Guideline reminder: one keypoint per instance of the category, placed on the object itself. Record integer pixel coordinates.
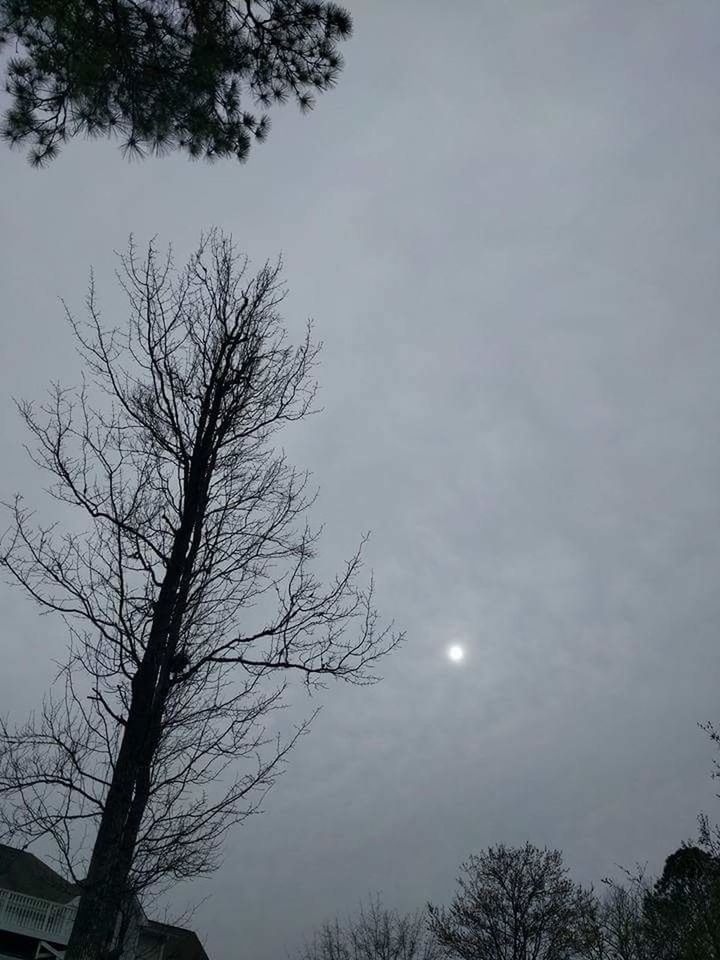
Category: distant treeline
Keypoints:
(519, 903)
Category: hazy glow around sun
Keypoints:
(456, 653)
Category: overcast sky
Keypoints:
(505, 221)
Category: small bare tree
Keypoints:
(622, 927)
(187, 590)
(374, 933)
(516, 903)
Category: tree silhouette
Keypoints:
(516, 903)
(682, 910)
(622, 924)
(373, 933)
(187, 589)
(163, 74)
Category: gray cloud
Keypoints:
(505, 222)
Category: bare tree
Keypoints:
(622, 927)
(516, 903)
(187, 588)
(374, 933)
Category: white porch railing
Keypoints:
(34, 917)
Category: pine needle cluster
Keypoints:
(193, 75)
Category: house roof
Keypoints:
(180, 944)
(23, 872)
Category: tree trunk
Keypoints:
(105, 891)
